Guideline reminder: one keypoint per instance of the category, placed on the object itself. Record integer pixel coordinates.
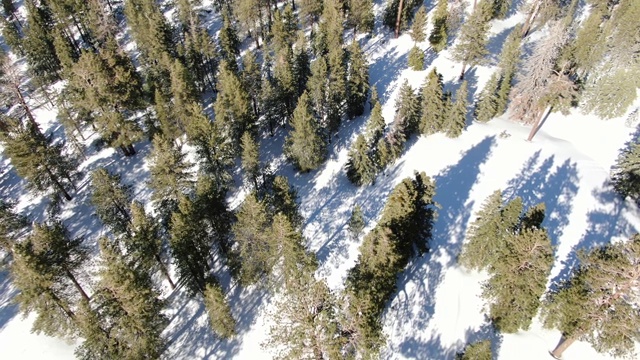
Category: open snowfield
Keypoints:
(436, 309)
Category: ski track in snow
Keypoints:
(436, 309)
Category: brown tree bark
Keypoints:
(538, 123)
(464, 68)
(562, 346)
(76, 284)
(165, 271)
(57, 183)
(399, 18)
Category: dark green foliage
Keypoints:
(337, 90)
(128, 310)
(360, 166)
(356, 222)
(457, 114)
(438, 36)
(471, 47)
(609, 95)
(408, 111)
(487, 106)
(406, 224)
(251, 79)
(598, 303)
(375, 125)
(626, 172)
(357, 81)
(111, 200)
(169, 177)
(229, 43)
(286, 84)
(418, 32)
(190, 246)
(211, 203)
(416, 59)
(232, 108)
(254, 252)
(220, 317)
(309, 10)
(390, 14)
(38, 44)
(361, 17)
(292, 259)
(500, 8)
(184, 93)
(301, 63)
(11, 36)
(509, 59)
(317, 87)
(44, 269)
(250, 159)
(38, 159)
(517, 252)
(11, 225)
(283, 198)
(480, 350)
(283, 30)
(215, 151)
(434, 107)
(305, 146)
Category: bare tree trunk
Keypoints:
(464, 67)
(399, 18)
(76, 284)
(538, 123)
(57, 183)
(24, 105)
(63, 306)
(165, 271)
(530, 18)
(562, 346)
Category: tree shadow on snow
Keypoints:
(8, 307)
(418, 284)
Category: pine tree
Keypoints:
(360, 167)
(356, 222)
(211, 202)
(38, 160)
(233, 108)
(418, 33)
(284, 199)
(184, 94)
(283, 31)
(357, 81)
(625, 175)
(220, 317)
(471, 48)
(129, 306)
(310, 9)
(598, 303)
(254, 253)
(509, 59)
(251, 80)
(392, 20)
(111, 200)
(11, 225)
(486, 108)
(190, 247)
(457, 115)
(439, 33)
(480, 350)
(500, 8)
(11, 36)
(250, 159)
(375, 126)
(485, 235)
(408, 110)
(317, 87)
(229, 43)
(38, 44)
(301, 63)
(170, 177)
(144, 242)
(251, 18)
(215, 151)
(434, 107)
(337, 89)
(286, 84)
(416, 59)
(45, 269)
(361, 17)
(304, 146)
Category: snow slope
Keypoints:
(436, 309)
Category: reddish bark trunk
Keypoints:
(562, 346)
(399, 18)
(77, 285)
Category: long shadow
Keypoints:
(8, 307)
(539, 182)
(385, 70)
(418, 284)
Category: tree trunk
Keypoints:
(63, 306)
(464, 67)
(399, 17)
(538, 124)
(57, 183)
(532, 15)
(165, 271)
(562, 346)
(24, 105)
(76, 284)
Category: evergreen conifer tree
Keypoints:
(357, 81)
(301, 63)
(457, 115)
(375, 126)
(390, 16)
(317, 87)
(487, 106)
(111, 200)
(38, 160)
(38, 43)
(361, 17)
(433, 104)
(472, 44)
(229, 43)
(304, 146)
(598, 303)
(480, 350)
(45, 269)
(418, 33)
(360, 167)
(485, 235)
(250, 159)
(252, 80)
(284, 199)
(416, 59)
(356, 222)
(625, 174)
(408, 110)
(11, 36)
(11, 225)
(220, 317)
(439, 32)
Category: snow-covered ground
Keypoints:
(436, 309)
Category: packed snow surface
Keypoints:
(436, 309)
